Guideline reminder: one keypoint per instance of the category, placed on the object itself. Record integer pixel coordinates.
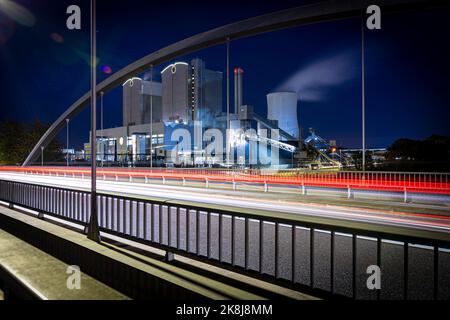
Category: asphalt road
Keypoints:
(265, 201)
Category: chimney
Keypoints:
(238, 92)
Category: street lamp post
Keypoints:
(67, 145)
(363, 97)
(93, 232)
(228, 147)
(151, 116)
(101, 124)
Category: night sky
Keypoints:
(44, 66)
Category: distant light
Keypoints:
(57, 37)
(238, 71)
(106, 69)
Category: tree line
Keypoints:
(17, 139)
(430, 154)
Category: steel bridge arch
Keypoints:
(293, 17)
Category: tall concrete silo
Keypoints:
(282, 106)
(132, 101)
(175, 92)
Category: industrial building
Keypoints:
(142, 102)
(191, 92)
(189, 97)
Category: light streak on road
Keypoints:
(379, 181)
(244, 200)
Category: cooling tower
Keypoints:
(282, 106)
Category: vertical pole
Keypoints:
(151, 116)
(363, 94)
(67, 146)
(261, 245)
(42, 156)
(228, 102)
(293, 240)
(405, 269)
(93, 230)
(332, 236)
(276, 253)
(354, 257)
(378, 263)
(233, 220)
(311, 258)
(220, 236)
(436, 273)
(101, 124)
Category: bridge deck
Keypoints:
(202, 286)
(42, 276)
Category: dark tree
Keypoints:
(357, 160)
(17, 140)
(12, 137)
(434, 148)
(431, 154)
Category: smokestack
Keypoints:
(238, 92)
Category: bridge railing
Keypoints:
(438, 180)
(407, 182)
(321, 256)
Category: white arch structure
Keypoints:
(293, 17)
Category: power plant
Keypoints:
(189, 97)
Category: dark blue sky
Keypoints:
(407, 64)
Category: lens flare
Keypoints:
(17, 12)
(86, 57)
(57, 37)
(106, 69)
